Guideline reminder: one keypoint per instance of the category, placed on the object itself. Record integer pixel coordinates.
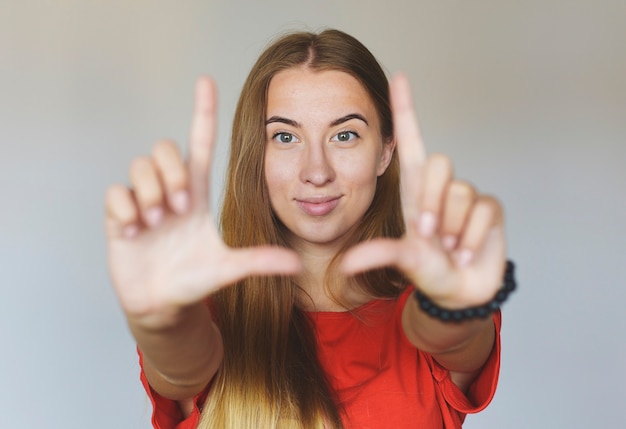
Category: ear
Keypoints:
(385, 156)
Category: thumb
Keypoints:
(261, 261)
(377, 253)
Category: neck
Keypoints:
(316, 295)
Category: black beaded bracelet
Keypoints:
(509, 284)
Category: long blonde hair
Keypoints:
(271, 376)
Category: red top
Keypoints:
(382, 380)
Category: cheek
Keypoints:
(277, 176)
(270, 177)
(361, 178)
(365, 179)
(361, 170)
(362, 184)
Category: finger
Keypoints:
(202, 139)
(173, 173)
(148, 190)
(485, 214)
(459, 199)
(411, 152)
(377, 253)
(122, 215)
(264, 260)
(438, 174)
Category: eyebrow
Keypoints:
(334, 123)
(347, 118)
(283, 121)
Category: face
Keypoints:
(324, 153)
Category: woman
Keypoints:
(300, 311)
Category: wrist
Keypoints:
(168, 319)
(447, 314)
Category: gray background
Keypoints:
(527, 97)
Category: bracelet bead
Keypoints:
(482, 311)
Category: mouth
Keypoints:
(318, 206)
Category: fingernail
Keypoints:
(449, 242)
(154, 215)
(464, 257)
(427, 225)
(130, 231)
(180, 201)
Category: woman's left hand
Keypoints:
(453, 249)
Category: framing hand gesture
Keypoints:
(453, 249)
(165, 252)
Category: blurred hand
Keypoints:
(164, 250)
(454, 248)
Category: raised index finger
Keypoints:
(202, 140)
(411, 151)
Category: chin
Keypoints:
(322, 237)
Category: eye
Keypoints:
(283, 137)
(345, 136)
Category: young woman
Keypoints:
(300, 311)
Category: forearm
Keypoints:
(459, 347)
(182, 356)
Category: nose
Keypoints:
(316, 167)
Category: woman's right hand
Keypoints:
(164, 250)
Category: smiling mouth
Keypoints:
(318, 206)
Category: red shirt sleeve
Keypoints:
(166, 413)
(482, 390)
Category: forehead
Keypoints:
(302, 91)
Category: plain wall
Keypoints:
(527, 97)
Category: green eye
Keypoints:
(284, 138)
(345, 136)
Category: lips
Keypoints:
(318, 206)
